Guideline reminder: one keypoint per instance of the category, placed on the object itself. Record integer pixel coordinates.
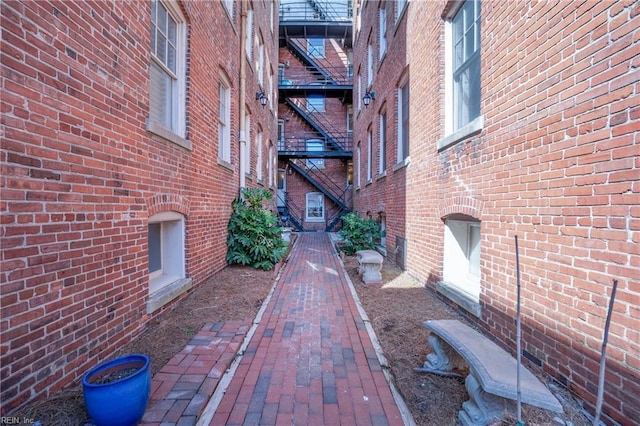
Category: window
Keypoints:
(248, 41)
(247, 154)
(228, 4)
(270, 165)
(281, 135)
(403, 123)
(259, 155)
(359, 94)
(315, 103)
(461, 266)
(369, 156)
(382, 28)
(281, 68)
(465, 28)
(350, 119)
(358, 164)
(167, 97)
(400, 5)
(315, 145)
(224, 122)
(369, 66)
(315, 47)
(166, 233)
(260, 67)
(382, 152)
(349, 174)
(315, 207)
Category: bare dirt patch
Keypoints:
(396, 308)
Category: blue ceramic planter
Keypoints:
(121, 402)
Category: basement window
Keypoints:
(166, 244)
(461, 266)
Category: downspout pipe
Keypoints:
(242, 101)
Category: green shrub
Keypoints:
(358, 233)
(254, 239)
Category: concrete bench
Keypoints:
(491, 382)
(370, 264)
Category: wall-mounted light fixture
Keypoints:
(262, 97)
(367, 98)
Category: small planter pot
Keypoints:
(116, 392)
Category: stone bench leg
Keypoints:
(482, 408)
(371, 272)
(444, 360)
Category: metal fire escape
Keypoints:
(305, 152)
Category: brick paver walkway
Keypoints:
(310, 360)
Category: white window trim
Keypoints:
(248, 42)
(402, 158)
(247, 143)
(259, 161)
(456, 264)
(369, 156)
(401, 5)
(382, 28)
(224, 119)
(473, 127)
(261, 61)
(369, 65)
(169, 282)
(358, 165)
(306, 207)
(176, 135)
(382, 150)
(228, 6)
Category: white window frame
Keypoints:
(382, 152)
(313, 145)
(400, 6)
(382, 32)
(271, 165)
(358, 164)
(319, 196)
(461, 263)
(170, 122)
(350, 119)
(453, 130)
(172, 250)
(248, 41)
(316, 103)
(247, 154)
(369, 156)
(403, 123)
(359, 92)
(260, 68)
(259, 164)
(369, 65)
(228, 5)
(316, 48)
(224, 121)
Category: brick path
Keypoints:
(310, 361)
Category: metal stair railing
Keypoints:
(335, 219)
(316, 10)
(341, 147)
(322, 66)
(318, 120)
(295, 213)
(318, 178)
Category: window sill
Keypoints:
(314, 220)
(469, 130)
(403, 163)
(159, 130)
(225, 164)
(369, 182)
(167, 293)
(381, 175)
(460, 298)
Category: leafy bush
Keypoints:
(358, 233)
(254, 239)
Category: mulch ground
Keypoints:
(396, 308)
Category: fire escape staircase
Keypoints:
(315, 176)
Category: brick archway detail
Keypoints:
(462, 205)
(168, 202)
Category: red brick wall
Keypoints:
(81, 176)
(556, 164)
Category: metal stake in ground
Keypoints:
(603, 358)
(518, 338)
